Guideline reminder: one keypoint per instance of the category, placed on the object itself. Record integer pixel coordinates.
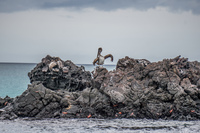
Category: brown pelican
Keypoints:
(100, 59)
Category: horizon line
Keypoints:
(39, 62)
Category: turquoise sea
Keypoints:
(14, 77)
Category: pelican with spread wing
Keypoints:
(100, 58)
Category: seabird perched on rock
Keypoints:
(100, 58)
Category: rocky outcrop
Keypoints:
(5, 101)
(56, 74)
(168, 89)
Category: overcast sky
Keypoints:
(75, 29)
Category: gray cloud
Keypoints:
(106, 5)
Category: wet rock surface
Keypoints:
(168, 89)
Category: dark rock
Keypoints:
(5, 101)
(56, 74)
(198, 84)
(167, 89)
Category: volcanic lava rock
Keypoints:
(168, 89)
(56, 74)
(37, 101)
(170, 85)
(5, 101)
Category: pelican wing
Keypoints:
(95, 61)
(109, 55)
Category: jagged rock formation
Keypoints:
(56, 74)
(168, 89)
(5, 101)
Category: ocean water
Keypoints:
(14, 80)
